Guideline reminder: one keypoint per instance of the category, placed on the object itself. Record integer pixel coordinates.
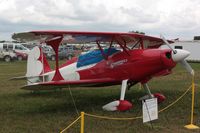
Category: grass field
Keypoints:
(51, 111)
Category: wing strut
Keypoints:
(99, 46)
(141, 43)
(110, 47)
(54, 43)
(105, 55)
(122, 43)
(135, 44)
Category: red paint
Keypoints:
(46, 65)
(124, 105)
(168, 63)
(161, 98)
(54, 43)
(163, 73)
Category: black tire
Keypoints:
(19, 58)
(7, 58)
(53, 58)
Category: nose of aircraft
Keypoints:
(179, 55)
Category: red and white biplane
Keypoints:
(138, 61)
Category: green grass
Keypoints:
(51, 111)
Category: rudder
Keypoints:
(37, 65)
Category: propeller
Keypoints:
(179, 56)
(167, 43)
(187, 67)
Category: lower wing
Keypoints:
(65, 83)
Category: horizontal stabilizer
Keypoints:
(18, 78)
(26, 77)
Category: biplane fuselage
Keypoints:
(138, 65)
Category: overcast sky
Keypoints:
(172, 18)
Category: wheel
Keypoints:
(7, 58)
(19, 58)
(53, 58)
(161, 98)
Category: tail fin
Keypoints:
(37, 65)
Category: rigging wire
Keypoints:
(73, 100)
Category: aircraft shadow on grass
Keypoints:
(86, 100)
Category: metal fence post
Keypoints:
(82, 122)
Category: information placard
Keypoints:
(150, 109)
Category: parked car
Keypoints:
(7, 55)
(48, 51)
(21, 56)
(21, 51)
(29, 45)
(64, 52)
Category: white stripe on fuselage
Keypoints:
(69, 72)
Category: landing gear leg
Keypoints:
(146, 87)
(123, 89)
(121, 105)
(159, 96)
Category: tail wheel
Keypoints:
(19, 58)
(7, 58)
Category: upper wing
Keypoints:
(87, 37)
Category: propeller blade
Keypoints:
(187, 67)
(167, 43)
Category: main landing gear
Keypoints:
(159, 96)
(124, 105)
(120, 105)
